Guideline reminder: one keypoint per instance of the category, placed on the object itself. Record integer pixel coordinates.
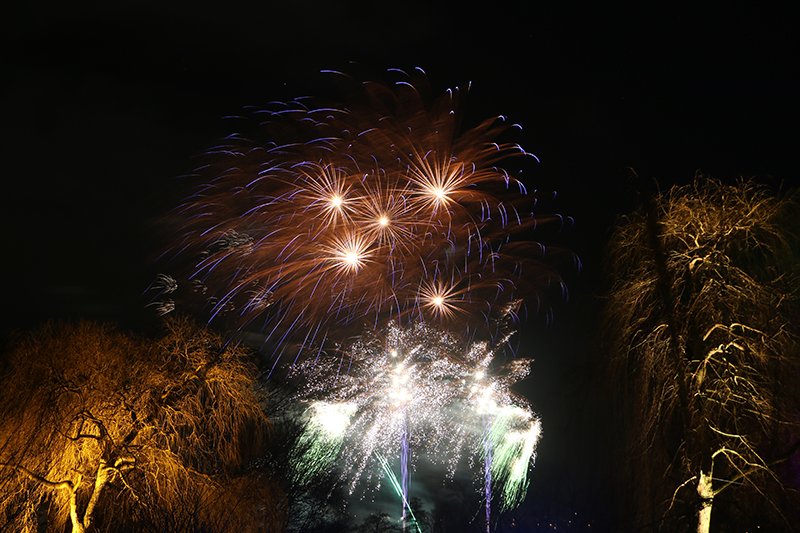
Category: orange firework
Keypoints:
(373, 210)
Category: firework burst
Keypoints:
(398, 387)
(371, 211)
(394, 394)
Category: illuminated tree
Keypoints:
(105, 432)
(702, 323)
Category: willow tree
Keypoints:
(702, 324)
(102, 431)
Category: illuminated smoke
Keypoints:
(413, 389)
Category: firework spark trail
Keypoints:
(420, 388)
(364, 213)
(319, 446)
(487, 474)
(405, 453)
(398, 488)
(513, 436)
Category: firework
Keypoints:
(511, 431)
(321, 442)
(365, 212)
(413, 389)
(401, 385)
(511, 441)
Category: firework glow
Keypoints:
(322, 440)
(361, 213)
(377, 215)
(418, 388)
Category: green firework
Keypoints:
(395, 483)
(320, 443)
(513, 435)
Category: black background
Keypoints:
(105, 104)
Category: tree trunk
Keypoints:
(100, 481)
(77, 523)
(706, 493)
(82, 525)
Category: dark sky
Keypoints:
(104, 105)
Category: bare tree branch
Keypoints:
(58, 485)
(162, 432)
(700, 326)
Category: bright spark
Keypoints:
(420, 210)
(421, 381)
(333, 419)
(439, 299)
(349, 254)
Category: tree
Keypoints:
(702, 324)
(318, 507)
(457, 508)
(422, 521)
(378, 523)
(106, 432)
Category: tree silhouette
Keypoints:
(106, 432)
(457, 508)
(702, 324)
(319, 507)
(378, 523)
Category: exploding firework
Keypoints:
(416, 388)
(363, 213)
(398, 387)
(510, 447)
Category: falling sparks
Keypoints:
(379, 211)
(420, 388)
(363, 212)
(512, 436)
(320, 444)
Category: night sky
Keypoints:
(105, 105)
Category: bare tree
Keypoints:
(702, 324)
(378, 523)
(102, 431)
(457, 508)
(318, 507)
